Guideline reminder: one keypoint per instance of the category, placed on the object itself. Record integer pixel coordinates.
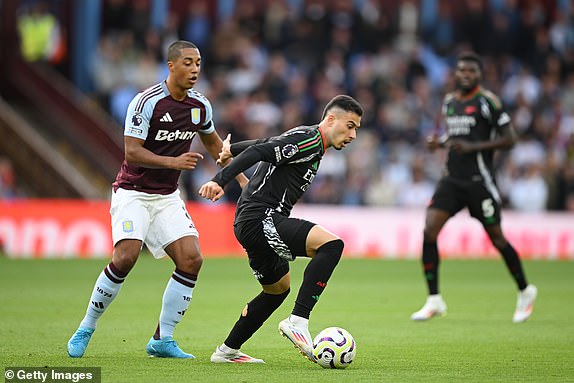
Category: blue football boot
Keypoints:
(79, 342)
(166, 348)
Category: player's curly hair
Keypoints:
(344, 102)
(174, 50)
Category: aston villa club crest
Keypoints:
(128, 226)
(195, 115)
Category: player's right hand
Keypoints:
(211, 191)
(186, 161)
(433, 142)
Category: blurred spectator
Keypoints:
(527, 151)
(523, 84)
(474, 21)
(7, 186)
(529, 191)
(262, 110)
(440, 33)
(417, 192)
(40, 34)
(138, 21)
(196, 25)
(269, 65)
(551, 174)
(114, 16)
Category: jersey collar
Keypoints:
(322, 139)
(471, 95)
(165, 88)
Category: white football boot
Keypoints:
(525, 304)
(434, 306)
(299, 335)
(235, 356)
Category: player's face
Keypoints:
(467, 75)
(185, 70)
(343, 130)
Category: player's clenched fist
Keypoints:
(187, 161)
(211, 190)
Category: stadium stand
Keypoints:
(269, 64)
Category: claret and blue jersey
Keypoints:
(168, 127)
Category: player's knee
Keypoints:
(499, 242)
(280, 287)
(277, 289)
(124, 260)
(189, 262)
(337, 245)
(334, 248)
(194, 262)
(430, 235)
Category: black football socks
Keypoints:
(252, 318)
(514, 265)
(316, 276)
(430, 260)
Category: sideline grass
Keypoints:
(42, 302)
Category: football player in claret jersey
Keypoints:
(287, 165)
(146, 207)
(476, 125)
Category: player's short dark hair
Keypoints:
(470, 56)
(344, 102)
(174, 50)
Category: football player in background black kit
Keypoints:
(476, 125)
(287, 165)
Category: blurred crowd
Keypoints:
(270, 65)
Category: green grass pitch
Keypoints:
(43, 301)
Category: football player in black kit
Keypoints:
(287, 165)
(476, 125)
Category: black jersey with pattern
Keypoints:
(289, 163)
(480, 117)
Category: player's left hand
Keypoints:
(225, 155)
(211, 191)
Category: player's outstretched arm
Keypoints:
(211, 190)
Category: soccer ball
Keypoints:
(334, 347)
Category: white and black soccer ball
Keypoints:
(334, 347)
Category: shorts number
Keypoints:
(487, 208)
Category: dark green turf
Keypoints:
(43, 301)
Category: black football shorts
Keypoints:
(454, 195)
(271, 243)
